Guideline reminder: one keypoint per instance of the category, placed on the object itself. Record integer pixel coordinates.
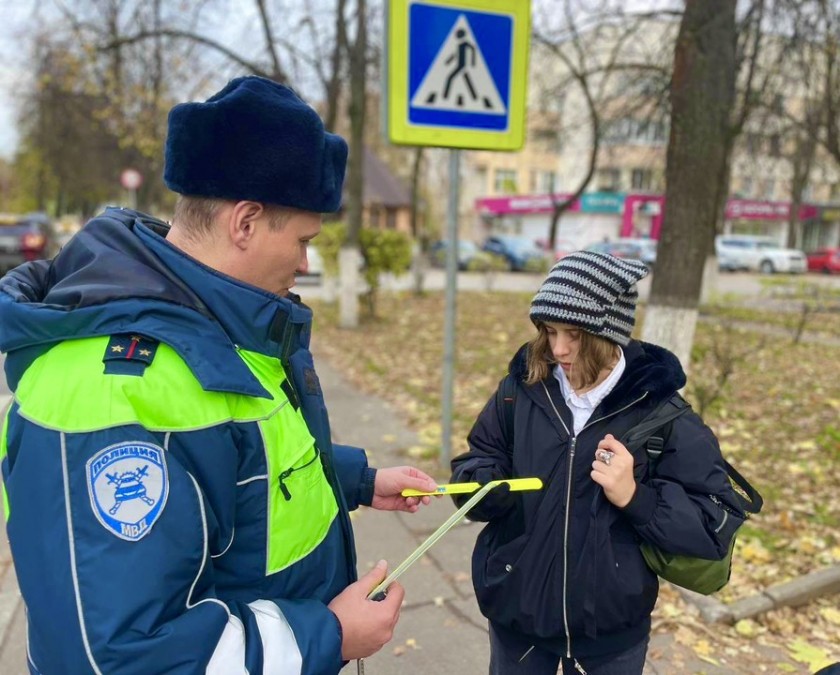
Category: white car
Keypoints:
(757, 254)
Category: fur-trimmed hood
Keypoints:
(650, 369)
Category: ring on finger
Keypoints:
(605, 456)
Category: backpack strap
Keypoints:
(505, 398)
(652, 431)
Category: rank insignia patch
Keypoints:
(129, 354)
(128, 485)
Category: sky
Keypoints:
(11, 65)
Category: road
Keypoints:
(738, 284)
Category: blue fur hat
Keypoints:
(255, 139)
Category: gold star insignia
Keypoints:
(119, 349)
(145, 352)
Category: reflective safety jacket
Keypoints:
(173, 499)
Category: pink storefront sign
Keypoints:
(521, 204)
(746, 209)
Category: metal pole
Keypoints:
(449, 313)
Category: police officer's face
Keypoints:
(281, 252)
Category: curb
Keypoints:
(792, 593)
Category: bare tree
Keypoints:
(614, 82)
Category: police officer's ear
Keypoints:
(241, 222)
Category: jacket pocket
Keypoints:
(298, 491)
(625, 588)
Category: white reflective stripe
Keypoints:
(229, 655)
(281, 655)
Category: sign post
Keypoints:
(456, 78)
(131, 180)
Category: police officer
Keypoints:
(174, 500)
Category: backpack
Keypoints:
(696, 574)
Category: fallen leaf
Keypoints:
(831, 614)
(803, 652)
(746, 627)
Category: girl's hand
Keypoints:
(613, 471)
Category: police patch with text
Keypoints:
(128, 485)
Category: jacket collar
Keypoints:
(651, 371)
(120, 275)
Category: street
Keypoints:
(738, 284)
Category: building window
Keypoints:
(481, 179)
(391, 219)
(505, 182)
(547, 182)
(609, 180)
(547, 139)
(642, 179)
(634, 131)
(533, 182)
(768, 188)
(747, 186)
(374, 217)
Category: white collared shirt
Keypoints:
(583, 405)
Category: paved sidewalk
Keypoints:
(440, 629)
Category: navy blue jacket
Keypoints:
(561, 567)
(198, 589)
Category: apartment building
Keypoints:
(631, 155)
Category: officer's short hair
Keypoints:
(196, 215)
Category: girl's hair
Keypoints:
(594, 354)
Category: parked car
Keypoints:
(757, 254)
(24, 238)
(519, 252)
(468, 254)
(562, 248)
(825, 260)
(630, 248)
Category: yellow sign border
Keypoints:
(403, 132)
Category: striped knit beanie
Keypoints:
(594, 291)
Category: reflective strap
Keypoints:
(281, 654)
(4, 430)
(229, 656)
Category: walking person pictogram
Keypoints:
(465, 50)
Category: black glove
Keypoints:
(495, 503)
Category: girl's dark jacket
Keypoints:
(561, 567)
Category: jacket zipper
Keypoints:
(572, 447)
(288, 472)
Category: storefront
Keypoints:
(594, 217)
(823, 232)
(769, 219)
(642, 217)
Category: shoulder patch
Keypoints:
(129, 354)
(128, 485)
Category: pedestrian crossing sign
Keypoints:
(457, 72)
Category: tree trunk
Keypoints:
(702, 97)
(349, 303)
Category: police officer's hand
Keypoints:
(367, 625)
(613, 471)
(391, 482)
